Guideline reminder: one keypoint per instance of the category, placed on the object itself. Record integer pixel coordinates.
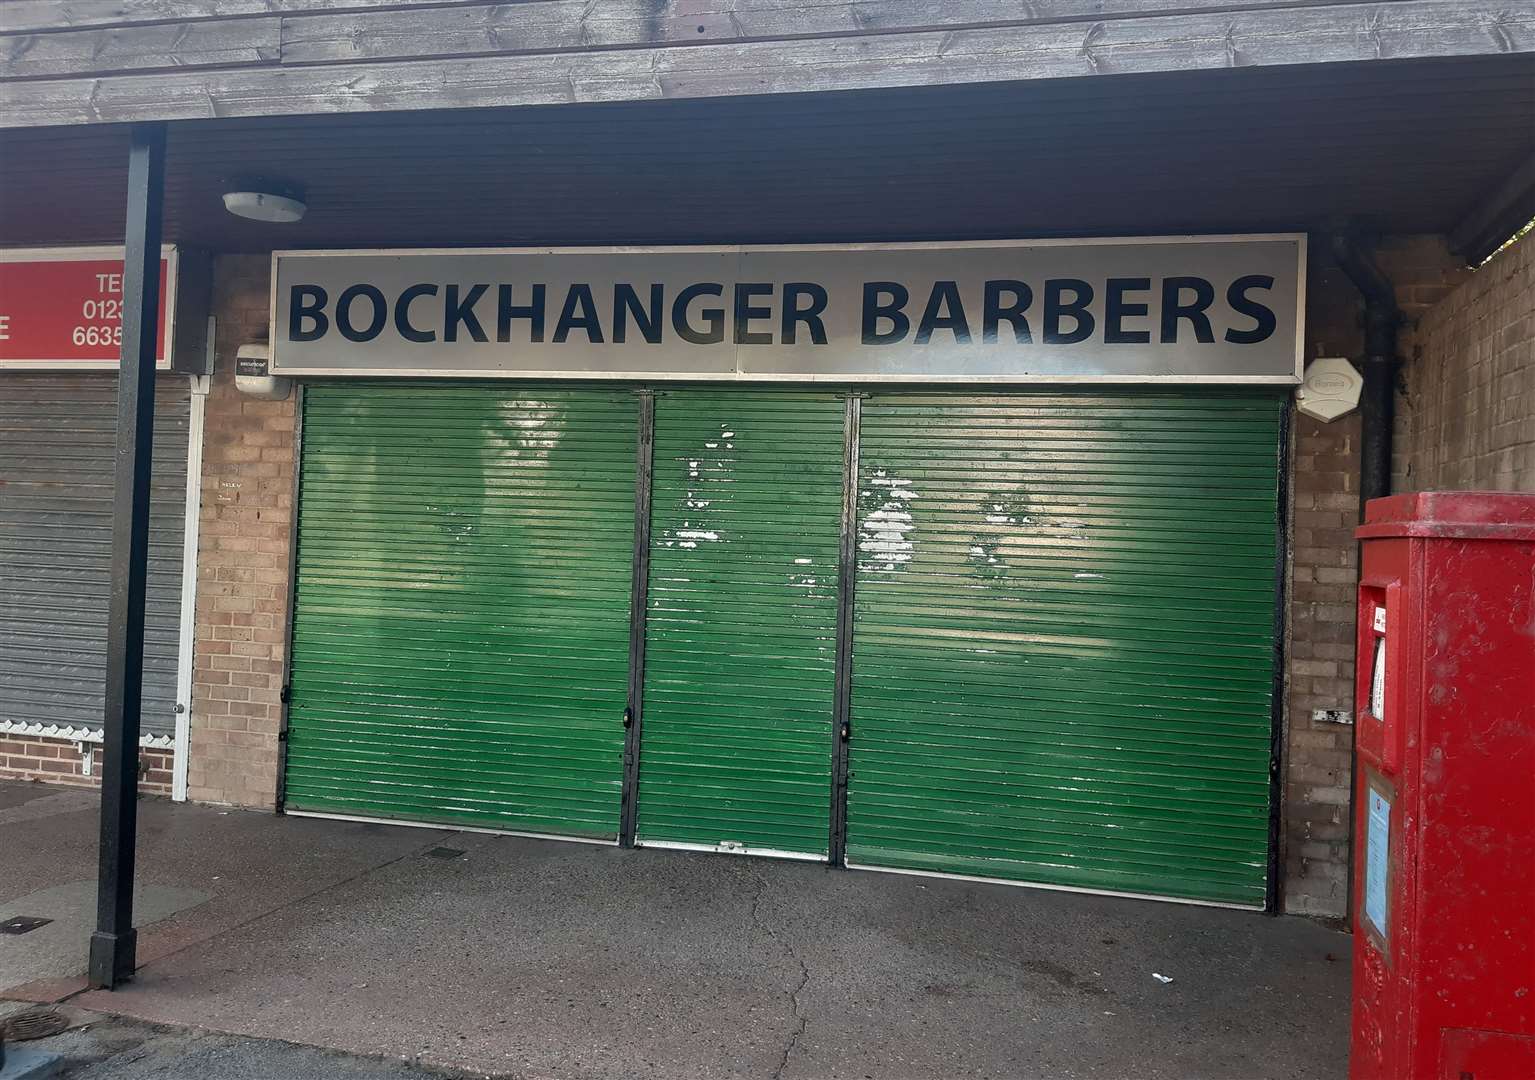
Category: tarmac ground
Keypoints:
(502, 956)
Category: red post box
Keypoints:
(1444, 796)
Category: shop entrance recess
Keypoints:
(1026, 636)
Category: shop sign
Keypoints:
(1161, 309)
(61, 308)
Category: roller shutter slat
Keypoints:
(741, 637)
(1063, 639)
(461, 626)
(57, 439)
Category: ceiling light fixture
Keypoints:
(264, 204)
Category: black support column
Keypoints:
(847, 578)
(639, 601)
(112, 945)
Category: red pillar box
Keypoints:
(1444, 799)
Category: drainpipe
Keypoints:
(1377, 408)
(1377, 404)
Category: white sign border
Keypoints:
(93, 253)
(1293, 379)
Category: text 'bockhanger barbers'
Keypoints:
(1053, 311)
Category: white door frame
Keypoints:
(188, 636)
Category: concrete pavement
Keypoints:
(201, 871)
(529, 958)
(100, 1047)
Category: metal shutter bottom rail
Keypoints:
(1063, 639)
(58, 435)
(740, 651)
(461, 626)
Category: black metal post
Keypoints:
(639, 599)
(847, 578)
(296, 506)
(112, 945)
(1273, 891)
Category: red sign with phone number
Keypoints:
(60, 311)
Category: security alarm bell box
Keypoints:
(251, 375)
(1330, 389)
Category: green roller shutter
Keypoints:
(1063, 639)
(460, 639)
(740, 658)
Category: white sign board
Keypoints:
(1178, 309)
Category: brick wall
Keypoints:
(242, 586)
(1466, 417)
(62, 761)
(1324, 569)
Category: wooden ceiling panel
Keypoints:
(1408, 146)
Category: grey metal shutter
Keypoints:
(57, 434)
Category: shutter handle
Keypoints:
(628, 718)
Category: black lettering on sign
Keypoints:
(307, 302)
(579, 296)
(944, 311)
(746, 311)
(885, 300)
(456, 313)
(647, 320)
(1056, 307)
(1262, 316)
(1130, 310)
(506, 311)
(809, 314)
(402, 321)
(1174, 309)
(1116, 309)
(714, 318)
(995, 312)
(344, 304)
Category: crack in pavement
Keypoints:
(799, 1015)
(801, 1020)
